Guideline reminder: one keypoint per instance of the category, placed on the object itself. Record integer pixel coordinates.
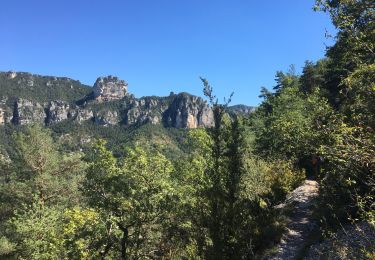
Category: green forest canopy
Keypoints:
(216, 200)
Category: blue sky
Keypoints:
(159, 46)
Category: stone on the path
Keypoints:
(300, 224)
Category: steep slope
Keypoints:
(37, 88)
(78, 114)
(242, 110)
(26, 98)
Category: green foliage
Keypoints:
(286, 80)
(38, 181)
(359, 96)
(349, 174)
(290, 128)
(135, 194)
(37, 232)
(155, 192)
(312, 78)
(239, 217)
(355, 21)
(6, 247)
(41, 89)
(42, 170)
(279, 178)
(84, 233)
(168, 141)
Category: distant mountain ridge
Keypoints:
(27, 98)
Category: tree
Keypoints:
(232, 216)
(40, 169)
(284, 80)
(354, 47)
(135, 194)
(37, 231)
(348, 172)
(291, 130)
(85, 235)
(41, 181)
(312, 78)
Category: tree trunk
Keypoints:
(106, 250)
(124, 242)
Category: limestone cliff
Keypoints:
(27, 98)
(109, 88)
(187, 111)
(27, 112)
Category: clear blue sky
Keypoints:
(159, 46)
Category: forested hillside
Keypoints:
(40, 88)
(152, 190)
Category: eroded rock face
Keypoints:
(11, 74)
(109, 88)
(145, 110)
(180, 111)
(107, 118)
(188, 111)
(206, 117)
(242, 110)
(58, 111)
(27, 112)
(2, 116)
(2, 111)
(109, 103)
(84, 115)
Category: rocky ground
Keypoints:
(355, 241)
(298, 207)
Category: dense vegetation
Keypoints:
(41, 88)
(89, 192)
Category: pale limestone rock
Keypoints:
(27, 112)
(109, 88)
(188, 111)
(145, 110)
(107, 118)
(84, 115)
(2, 116)
(58, 111)
(11, 74)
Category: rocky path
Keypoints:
(300, 225)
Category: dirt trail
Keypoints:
(300, 224)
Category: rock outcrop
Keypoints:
(11, 74)
(241, 109)
(58, 111)
(187, 111)
(27, 112)
(84, 115)
(146, 110)
(2, 116)
(27, 98)
(352, 241)
(109, 88)
(107, 118)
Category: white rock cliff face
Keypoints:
(59, 111)
(2, 116)
(12, 74)
(188, 111)
(180, 111)
(5, 112)
(84, 115)
(107, 118)
(109, 88)
(27, 112)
